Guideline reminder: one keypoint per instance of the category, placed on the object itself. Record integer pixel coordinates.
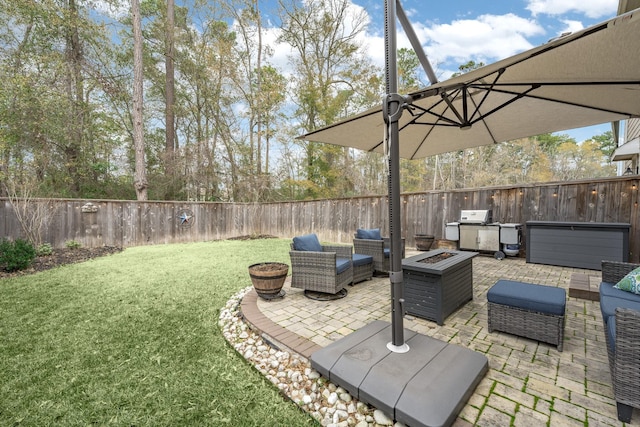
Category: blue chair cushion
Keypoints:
(386, 252)
(529, 296)
(307, 242)
(608, 304)
(369, 234)
(609, 290)
(342, 264)
(610, 330)
(360, 259)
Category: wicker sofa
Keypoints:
(621, 318)
(320, 268)
(369, 242)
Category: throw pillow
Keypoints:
(308, 242)
(630, 282)
(372, 234)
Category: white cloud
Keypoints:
(571, 26)
(114, 10)
(487, 38)
(590, 8)
(280, 51)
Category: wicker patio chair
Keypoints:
(326, 269)
(376, 248)
(624, 352)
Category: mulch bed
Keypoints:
(253, 237)
(61, 257)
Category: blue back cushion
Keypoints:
(608, 305)
(307, 242)
(372, 234)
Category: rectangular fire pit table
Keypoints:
(437, 283)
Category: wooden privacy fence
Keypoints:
(131, 223)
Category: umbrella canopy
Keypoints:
(581, 79)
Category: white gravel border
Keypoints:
(292, 374)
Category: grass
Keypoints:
(132, 339)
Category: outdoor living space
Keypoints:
(528, 383)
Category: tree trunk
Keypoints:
(170, 82)
(258, 96)
(140, 178)
(75, 94)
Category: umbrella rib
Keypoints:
(518, 95)
(446, 98)
(426, 136)
(486, 86)
(486, 94)
(348, 120)
(559, 101)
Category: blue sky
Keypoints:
(452, 32)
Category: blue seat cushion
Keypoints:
(369, 234)
(342, 264)
(609, 290)
(608, 305)
(528, 296)
(360, 259)
(386, 252)
(307, 242)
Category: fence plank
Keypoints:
(132, 223)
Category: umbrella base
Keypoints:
(426, 386)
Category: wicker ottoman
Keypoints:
(527, 310)
(362, 267)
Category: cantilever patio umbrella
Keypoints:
(585, 78)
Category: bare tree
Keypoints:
(140, 176)
(170, 82)
(33, 215)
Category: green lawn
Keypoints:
(132, 339)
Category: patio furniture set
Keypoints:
(620, 308)
(528, 310)
(537, 312)
(329, 268)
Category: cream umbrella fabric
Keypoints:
(581, 79)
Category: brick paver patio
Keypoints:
(528, 383)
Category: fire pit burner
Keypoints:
(437, 258)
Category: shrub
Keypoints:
(44, 249)
(72, 244)
(16, 255)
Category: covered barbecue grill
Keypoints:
(476, 231)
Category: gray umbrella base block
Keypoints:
(426, 386)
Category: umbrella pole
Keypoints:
(392, 110)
